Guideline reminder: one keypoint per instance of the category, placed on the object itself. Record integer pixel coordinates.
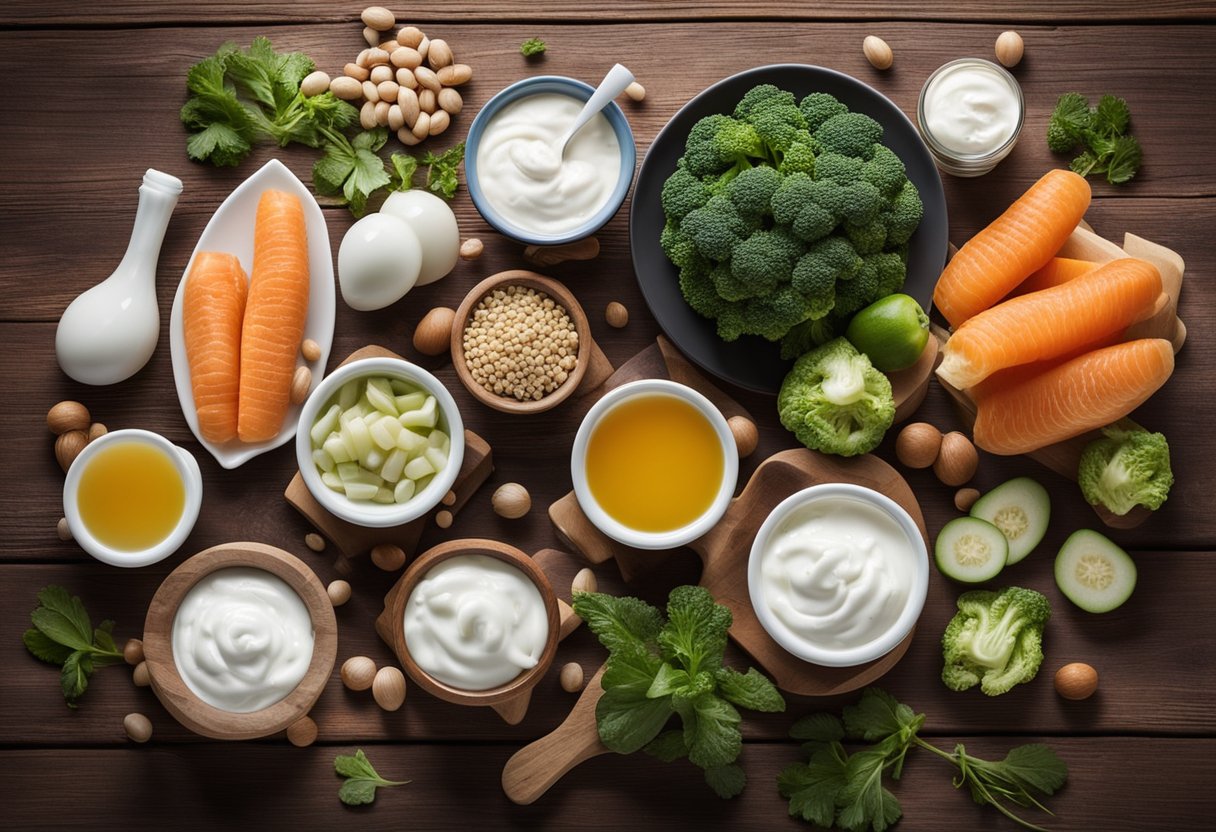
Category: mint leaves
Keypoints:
(362, 780)
(1100, 132)
(660, 667)
(835, 788)
(63, 635)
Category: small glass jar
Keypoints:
(951, 153)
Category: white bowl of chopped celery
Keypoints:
(380, 442)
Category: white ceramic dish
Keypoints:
(913, 606)
(380, 515)
(231, 230)
(654, 540)
(187, 469)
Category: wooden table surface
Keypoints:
(92, 99)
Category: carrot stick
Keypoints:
(212, 310)
(1058, 271)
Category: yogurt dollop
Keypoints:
(475, 622)
(837, 573)
(528, 183)
(242, 639)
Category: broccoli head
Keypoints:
(699, 292)
(794, 205)
(1126, 468)
(818, 107)
(678, 247)
(995, 640)
(850, 134)
(834, 400)
(682, 192)
(762, 97)
(763, 261)
(752, 191)
(869, 238)
(838, 168)
(903, 214)
(885, 171)
(799, 158)
(715, 228)
(857, 202)
(718, 143)
(825, 262)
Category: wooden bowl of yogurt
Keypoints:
(240, 640)
(474, 622)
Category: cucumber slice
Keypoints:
(1093, 572)
(1020, 508)
(970, 550)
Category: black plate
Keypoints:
(752, 362)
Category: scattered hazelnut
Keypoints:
(141, 676)
(68, 446)
(511, 500)
(449, 499)
(918, 444)
(67, 416)
(443, 519)
(957, 461)
(138, 727)
(314, 541)
(97, 430)
(302, 732)
(965, 498)
(61, 528)
(388, 688)
(1076, 681)
(388, 557)
(1009, 48)
(616, 315)
(433, 335)
(571, 677)
(358, 672)
(310, 349)
(338, 592)
(133, 652)
(877, 52)
(745, 433)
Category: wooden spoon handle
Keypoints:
(533, 769)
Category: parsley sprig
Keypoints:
(1100, 132)
(63, 635)
(362, 779)
(658, 668)
(835, 788)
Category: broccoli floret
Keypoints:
(795, 205)
(779, 127)
(730, 288)
(762, 262)
(752, 191)
(678, 247)
(869, 238)
(718, 143)
(860, 291)
(1126, 468)
(858, 202)
(799, 158)
(715, 228)
(824, 263)
(762, 97)
(838, 168)
(891, 271)
(885, 171)
(903, 214)
(995, 640)
(807, 335)
(772, 316)
(682, 192)
(852, 134)
(698, 291)
(835, 401)
(818, 107)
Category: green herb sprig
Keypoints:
(532, 47)
(835, 788)
(63, 635)
(1100, 132)
(362, 779)
(660, 667)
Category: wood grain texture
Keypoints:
(1115, 785)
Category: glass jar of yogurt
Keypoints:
(970, 114)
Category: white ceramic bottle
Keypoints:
(108, 333)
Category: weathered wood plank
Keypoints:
(143, 12)
(1114, 784)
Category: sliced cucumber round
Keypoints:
(970, 550)
(1020, 508)
(1093, 572)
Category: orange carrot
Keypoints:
(274, 316)
(1017, 243)
(1085, 393)
(1058, 271)
(1050, 323)
(212, 309)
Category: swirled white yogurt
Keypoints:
(528, 183)
(837, 573)
(475, 622)
(242, 639)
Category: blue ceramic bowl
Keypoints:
(563, 86)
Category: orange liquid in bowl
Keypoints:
(131, 496)
(654, 463)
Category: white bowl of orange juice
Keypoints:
(654, 464)
(131, 497)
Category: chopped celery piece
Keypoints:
(323, 426)
(425, 416)
(336, 448)
(380, 395)
(333, 481)
(384, 432)
(410, 401)
(393, 465)
(410, 442)
(322, 460)
(404, 491)
(383, 495)
(359, 438)
(349, 414)
(418, 467)
(361, 491)
(436, 457)
(374, 460)
(349, 394)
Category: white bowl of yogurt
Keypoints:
(518, 182)
(838, 574)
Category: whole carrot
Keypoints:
(274, 315)
(212, 310)
(1017, 243)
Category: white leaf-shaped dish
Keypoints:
(231, 230)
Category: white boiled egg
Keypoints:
(378, 262)
(434, 223)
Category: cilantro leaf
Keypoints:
(441, 171)
(352, 168)
(1101, 133)
(727, 781)
(1124, 160)
(404, 166)
(362, 779)
(532, 47)
(751, 690)
(864, 801)
(812, 787)
(221, 144)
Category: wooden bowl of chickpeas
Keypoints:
(521, 343)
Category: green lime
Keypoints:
(892, 331)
